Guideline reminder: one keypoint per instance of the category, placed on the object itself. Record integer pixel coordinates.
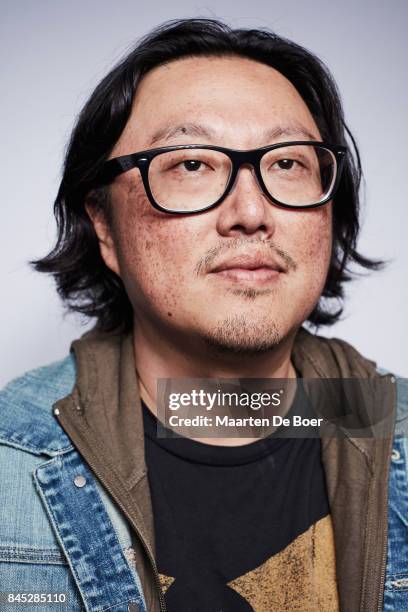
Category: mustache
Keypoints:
(238, 245)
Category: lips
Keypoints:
(256, 268)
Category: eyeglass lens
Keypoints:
(192, 179)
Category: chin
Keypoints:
(239, 335)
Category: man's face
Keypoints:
(192, 276)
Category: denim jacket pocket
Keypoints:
(36, 577)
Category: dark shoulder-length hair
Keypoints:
(83, 280)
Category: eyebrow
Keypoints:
(290, 130)
(194, 129)
(186, 129)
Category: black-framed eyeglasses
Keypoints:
(185, 179)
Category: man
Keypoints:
(208, 208)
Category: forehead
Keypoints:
(239, 102)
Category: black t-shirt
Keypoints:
(223, 515)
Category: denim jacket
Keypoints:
(58, 536)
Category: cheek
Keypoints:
(312, 234)
(312, 245)
(317, 240)
(153, 248)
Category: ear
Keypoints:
(104, 233)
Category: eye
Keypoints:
(192, 164)
(286, 164)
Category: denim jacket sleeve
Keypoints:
(60, 535)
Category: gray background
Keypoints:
(54, 53)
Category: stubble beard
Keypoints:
(238, 335)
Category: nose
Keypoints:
(246, 209)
